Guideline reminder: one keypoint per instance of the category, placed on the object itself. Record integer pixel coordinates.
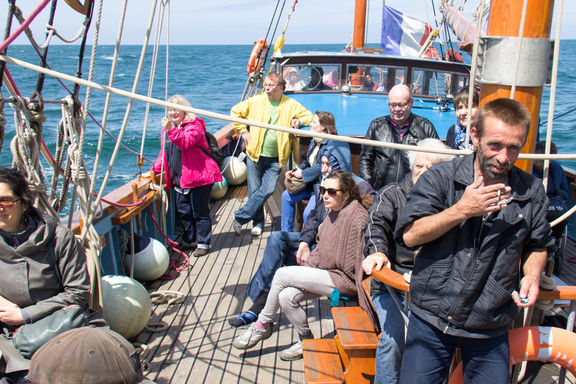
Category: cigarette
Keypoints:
(498, 195)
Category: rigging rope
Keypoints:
(473, 67)
(90, 218)
(219, 116)
(108, 98)
(519, 51)
(155, 51)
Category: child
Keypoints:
(456, 135)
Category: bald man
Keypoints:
(381, 166)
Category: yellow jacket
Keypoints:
(257, 108)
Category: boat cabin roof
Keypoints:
(354, 85)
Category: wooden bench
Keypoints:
(322, 362)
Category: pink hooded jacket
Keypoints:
(198, 168)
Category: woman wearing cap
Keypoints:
(335, 264)
(43, 267)
(309, 170)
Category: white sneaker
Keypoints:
(251, 337)
(293, 353)
(237, 227)
(256, 231)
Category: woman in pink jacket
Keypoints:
(191, 171)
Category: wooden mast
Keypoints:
(505, 19)
(358, 37)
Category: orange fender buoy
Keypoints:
(550, 344)
(256, 57)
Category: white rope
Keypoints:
(90, 218)
(25, 148)
(152, 75)
(473, 67)
(91, 241)
(108, 96)
(78, 35)
(519, 51)
(297, 132)
(552, 105)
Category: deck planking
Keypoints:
(197, 346)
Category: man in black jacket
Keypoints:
(380, 166)
(480, 222)
(381, 250)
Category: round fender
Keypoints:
(256, 57)
(551, 344)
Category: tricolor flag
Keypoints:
(402, 35)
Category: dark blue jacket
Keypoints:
(462, 282)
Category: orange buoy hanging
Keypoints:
(550, 344)
(257, 56)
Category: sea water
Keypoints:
(211, 77)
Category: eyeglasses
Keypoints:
(8, 202)
(331, 191)
(398, 105)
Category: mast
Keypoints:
(501, 53)
(359, 24)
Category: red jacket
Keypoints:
(198, 168)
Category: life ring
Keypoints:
(536, 343)
(256, 57)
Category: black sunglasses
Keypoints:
(331, 191)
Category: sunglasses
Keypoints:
(331, 191)
(8, 202)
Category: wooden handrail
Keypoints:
(391, 278)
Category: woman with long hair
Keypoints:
(335, 264)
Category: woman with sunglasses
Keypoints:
(335, 264)
(43, 267)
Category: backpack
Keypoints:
(215, 152)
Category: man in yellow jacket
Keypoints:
(267, 150)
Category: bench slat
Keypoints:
(322, 362)
(354, 328)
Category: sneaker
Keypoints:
(293, 353)
(251, 337)
(237, 227)
(199, 252)
(243, 320)
(256, 231)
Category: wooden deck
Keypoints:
(197, 347)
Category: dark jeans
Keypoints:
(428, 354)
(280, 250)
(194, 212)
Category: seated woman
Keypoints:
(43, 267)
(309, 170)
(335, 263)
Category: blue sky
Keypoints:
(241, 21)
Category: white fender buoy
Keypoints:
(126, 305)
(219, 189)
(234, 170)
(151, 259)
